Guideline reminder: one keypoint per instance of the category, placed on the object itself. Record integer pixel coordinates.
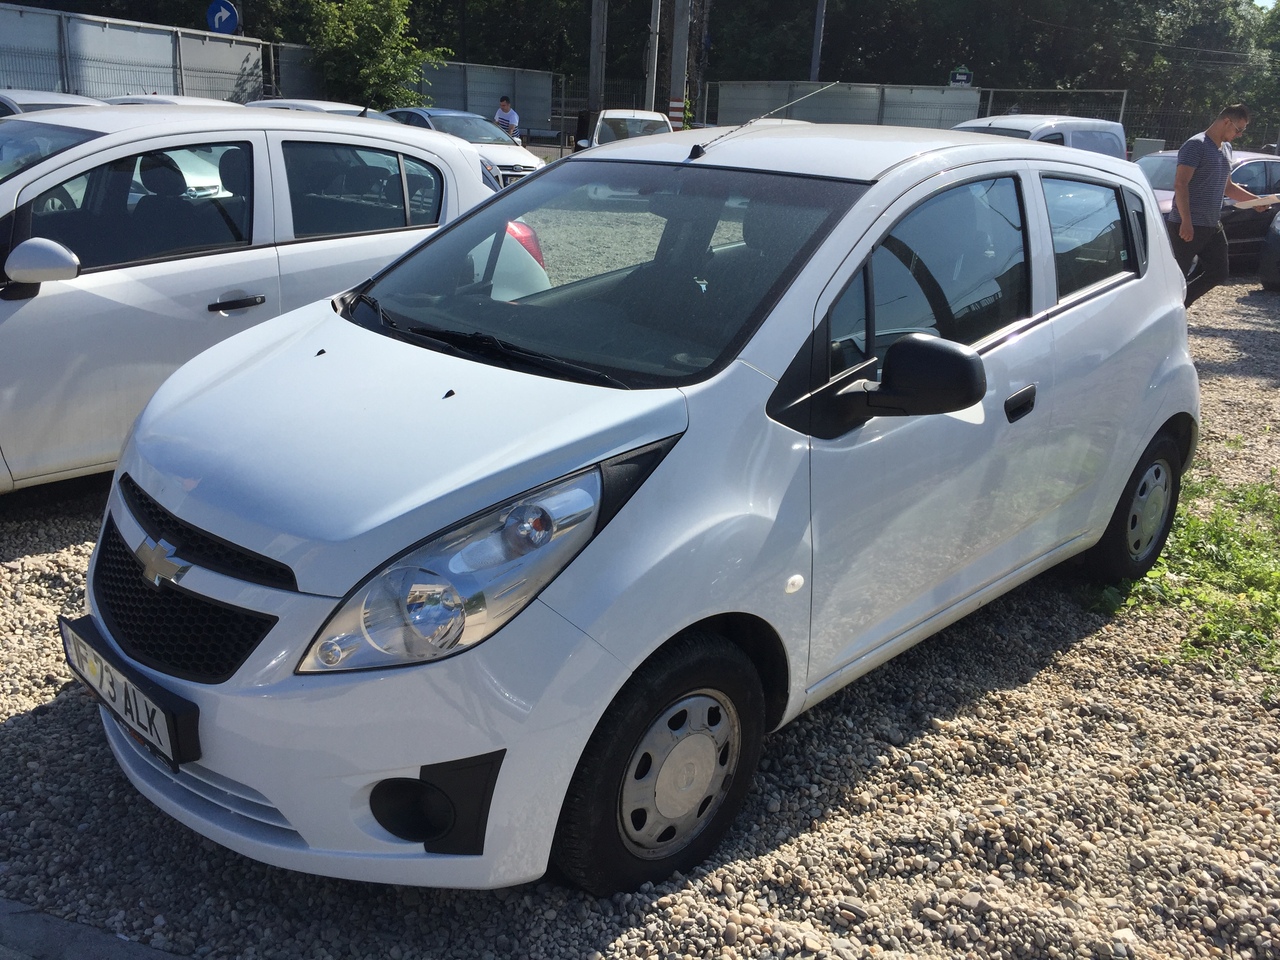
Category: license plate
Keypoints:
(158, 718)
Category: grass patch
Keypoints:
(1221, 566)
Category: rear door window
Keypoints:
(1090, 242)
(337, 189)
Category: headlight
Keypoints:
(462, 585)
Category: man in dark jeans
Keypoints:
(1203, 178)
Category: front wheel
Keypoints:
(1143, 517)
(666, 770)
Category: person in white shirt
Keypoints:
(507, 118)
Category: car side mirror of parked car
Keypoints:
(39, 260)
(921, 375)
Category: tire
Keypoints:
(666, 770)
(1142, 519)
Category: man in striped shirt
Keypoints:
(1202, 179)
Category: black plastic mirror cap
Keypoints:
(927, 375)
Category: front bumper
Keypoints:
(289, 763)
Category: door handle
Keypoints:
(240, 304)
(1021, 403)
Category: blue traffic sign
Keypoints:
(223, 17)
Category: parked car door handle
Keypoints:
(240, 304)
(1021, 403)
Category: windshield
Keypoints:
(471, 129)
(25, 142)
(647, 274)
(1159, 170)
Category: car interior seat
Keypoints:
(158, 220)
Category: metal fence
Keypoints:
(101, 57)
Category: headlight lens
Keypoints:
(462, 585)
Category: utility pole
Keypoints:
(595, 79)
(679, 64)
(818, 20)
(651, 70)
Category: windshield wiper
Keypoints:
(486, 345)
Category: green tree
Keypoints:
(365, 52)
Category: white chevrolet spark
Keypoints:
(475, 569)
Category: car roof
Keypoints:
(1033, 121)
(844, 151)
(171, 98)
(1237, 156)
(318, 106)
(137, 121)
(20, 97)
(440, 112)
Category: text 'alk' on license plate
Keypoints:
(161, 719)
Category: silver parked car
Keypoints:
(133, 237)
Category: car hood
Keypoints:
(333, 448)
(508, 155)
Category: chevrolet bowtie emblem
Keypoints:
(158, 562)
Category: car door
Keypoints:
(1108, 339)
(348, 208)
(173, 237)
(912, 515)
(1246, 227)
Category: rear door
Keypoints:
(173, 237)
(346, 208)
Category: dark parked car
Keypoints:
(1245, 228)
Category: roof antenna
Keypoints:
(700, 149)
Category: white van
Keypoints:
(1083, 133)
(457, 575)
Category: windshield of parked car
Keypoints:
(1160, 170)
(630, 274)
(471, 129)
(624, 128)
(24, 142)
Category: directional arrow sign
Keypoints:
(222, 17)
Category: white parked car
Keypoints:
(1083, 133)
(133, 237)
(504, 157)
(614, 125)
(171, 100)
(321, 106)
(460, 574)
(31, 101)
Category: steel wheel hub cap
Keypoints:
(1149, 508)
(679, 773)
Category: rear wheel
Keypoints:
(1143, 517)
(666, 770)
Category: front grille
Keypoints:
(200, 548)
(168, 628)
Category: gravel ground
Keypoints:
(1038, 781)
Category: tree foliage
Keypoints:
(365, 52)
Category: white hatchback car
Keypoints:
(133, 237)
(432, 584)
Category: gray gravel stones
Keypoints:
(1040, 780)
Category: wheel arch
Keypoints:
(1184, 430)
(763, 647)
